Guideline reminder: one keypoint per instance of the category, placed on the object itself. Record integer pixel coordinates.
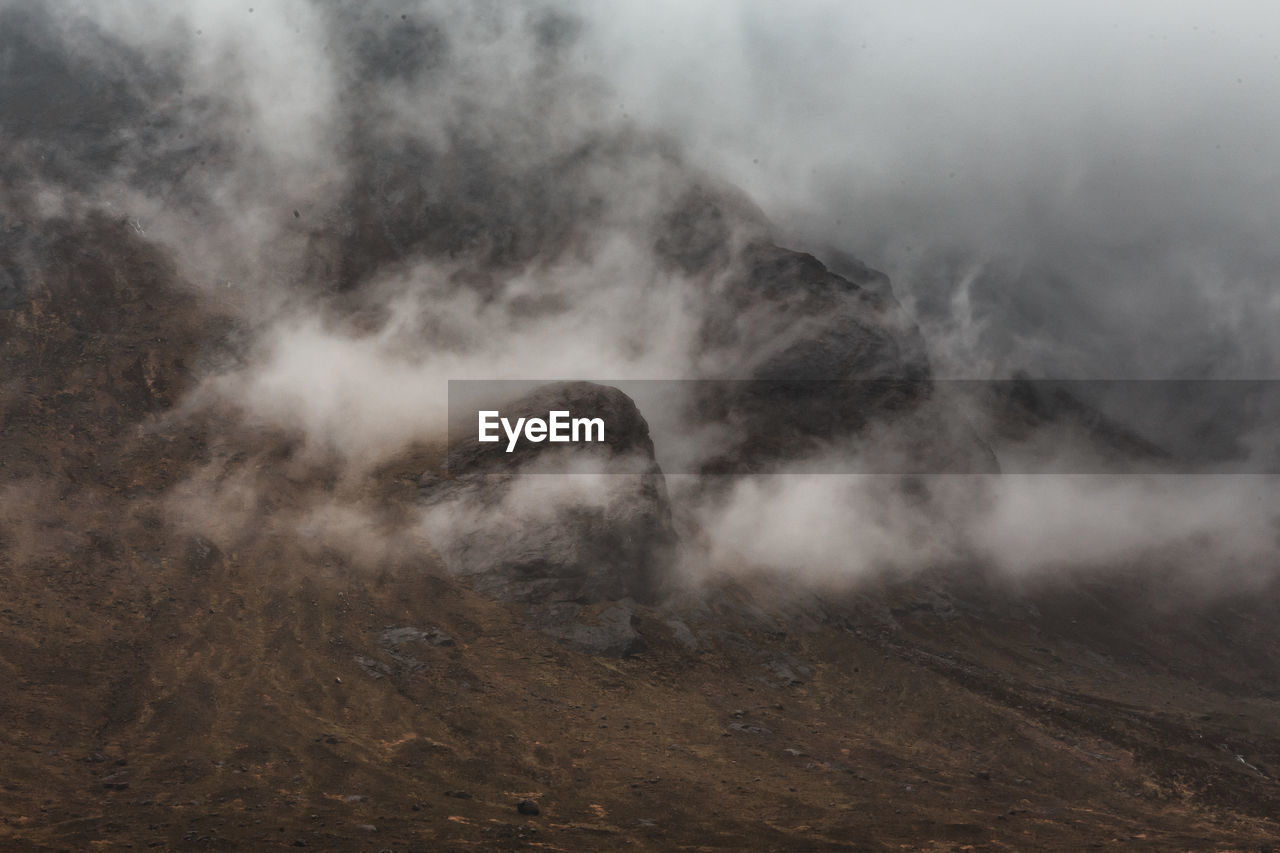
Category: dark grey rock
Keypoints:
(523, 529)
(12, 288)
(392, 638)
(830, 356)
(373, 668)
(934, 602)
(610, 633)
(115, 782)
(398, 643)
(201, 555)
(784, 670)
(528, 807)
(682, 634)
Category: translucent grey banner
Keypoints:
(894, 426)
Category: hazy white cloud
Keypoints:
(1109, 168)
(838, 530)
(1085, 189)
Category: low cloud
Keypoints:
(389, 196)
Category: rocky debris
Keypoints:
(115, 781)
(784, 670)
(201, 555)
(934, 602)
(12, 288)
(373, 668)
(398, 643)
(1241, 759)
(523, 528)
(393, 638)
(528, 807)
(608, 633)
(682, 633)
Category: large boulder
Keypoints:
(557, 523)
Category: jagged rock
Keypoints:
(115, 782)
(610, 633)
(201, 555)
(12, 288)
(932, 601)
(398, 644)
(829, 357)
(393, 637)
(373, 668)
(524, 528)
(682, 633)
(785, 670)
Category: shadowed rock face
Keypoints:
(827, 356)
(526, 528)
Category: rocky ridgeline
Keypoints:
(830, 354)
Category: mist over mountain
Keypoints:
(859, 289)
(1079, 191)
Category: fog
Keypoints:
(1083, 190)
(396, 194)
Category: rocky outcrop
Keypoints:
(828, 357)
(525, 527)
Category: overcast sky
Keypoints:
(1084, 189)
(1076, 189)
